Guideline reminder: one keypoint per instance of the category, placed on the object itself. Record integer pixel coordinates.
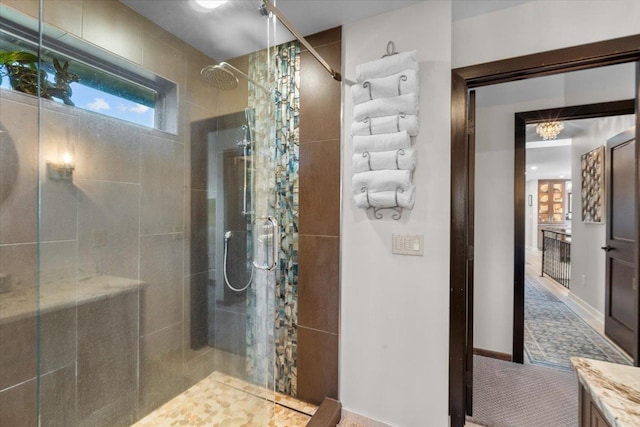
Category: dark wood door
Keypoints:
(621, 311)
(471, 135)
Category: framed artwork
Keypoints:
(592, 169)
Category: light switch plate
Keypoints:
(408, 244)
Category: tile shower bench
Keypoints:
(609, 393)
(81, 337)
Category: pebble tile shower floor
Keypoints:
(221, 400)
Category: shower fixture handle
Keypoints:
(267, 236)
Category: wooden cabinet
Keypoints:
(551, 202)
(589, 415)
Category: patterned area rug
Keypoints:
(509, 394)
(553, 333)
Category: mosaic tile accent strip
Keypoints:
(272, 339)
(553, 333)
(287, 116)
(220, 400)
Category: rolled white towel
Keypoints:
(386, 199)
(404, 104)
(387, 124)
(381, 160)
(382, 142)
(384, 180)
(387, 66)
(400, 83)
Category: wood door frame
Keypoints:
(592, 55)
(577, 112)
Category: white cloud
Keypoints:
(137, 108)
(98, 104)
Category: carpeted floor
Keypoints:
(508, 394)
(554, 333)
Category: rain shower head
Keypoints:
(219, 77)
(224, 76)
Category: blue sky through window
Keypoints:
(108, 104)
(111, 105)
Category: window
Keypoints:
(78, 74)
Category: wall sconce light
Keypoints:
(62, 171)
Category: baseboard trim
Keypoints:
(492, 354)
(582, 304)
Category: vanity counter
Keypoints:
(614, 391)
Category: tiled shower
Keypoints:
(111, 300)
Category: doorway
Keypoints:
(563, 60)
(554, 252)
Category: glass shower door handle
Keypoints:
(265, 248)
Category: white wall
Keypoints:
(507, 33)
(494, 249)
(539, 26)
(395, 309)
(587, 259)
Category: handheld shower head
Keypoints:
(227, 235)
(219, 77)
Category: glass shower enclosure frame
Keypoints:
(142, 216)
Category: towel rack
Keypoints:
(367, 121)
(399, 152)
(401, 78)
(376, 210)
(390, 200)
(391, 49)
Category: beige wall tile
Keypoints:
(18, 171)
(107, 149)
(163, 57)
(114, 27)
(231, 101)
(58, 397)
(29, 7)
(108, 227)
(18, 341)
(160, 367)
(57, 261)
(58, 198)
(57, 343)
(161, 270)
(64, 14)
(161, 186)
(197, 90)
(19, 262)
(107, 361)
(19, 405)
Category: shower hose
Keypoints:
(227, 236)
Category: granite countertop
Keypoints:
(614, 389)
(24, 303)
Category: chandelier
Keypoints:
(549, 130)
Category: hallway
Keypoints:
(556, 328)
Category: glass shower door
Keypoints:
(151, 265)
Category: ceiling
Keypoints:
(237, 28)
(553, 159)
